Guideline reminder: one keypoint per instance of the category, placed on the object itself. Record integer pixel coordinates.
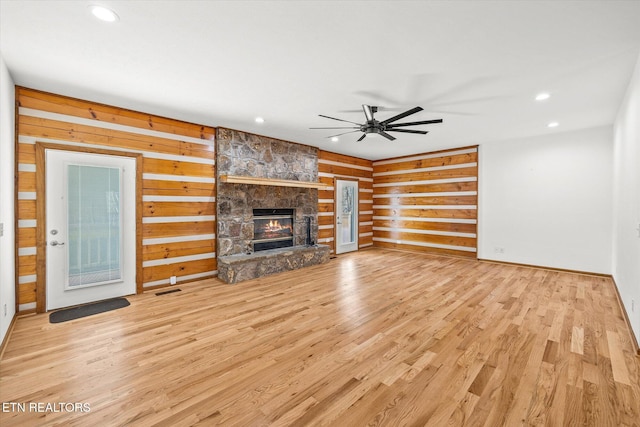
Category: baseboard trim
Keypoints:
(5, 341)
(632, 336)
(542, 267)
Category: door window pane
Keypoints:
(94, 215)
(348, 219)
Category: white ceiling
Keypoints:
(475, 64)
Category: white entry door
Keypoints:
(91, 227)
(346, 236)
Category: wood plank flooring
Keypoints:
(377, 337)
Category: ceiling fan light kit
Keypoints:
(375, 127)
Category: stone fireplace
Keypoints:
(240, 206)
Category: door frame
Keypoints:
(335, 212)
(41, 213)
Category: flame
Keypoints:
(274, 225)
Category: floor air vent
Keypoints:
(168, 292)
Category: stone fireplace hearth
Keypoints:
(247, 155)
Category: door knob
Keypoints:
(56, 243)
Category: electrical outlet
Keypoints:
(1, 229)
(173, 280)
(633, 306)
(498, 250)
(5, 310)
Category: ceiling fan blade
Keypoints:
(362, 137)
(341, 127)
(340, 120)
(386, 135)
(344, 133)
(368, 113)
(380, 108)
(423, 122)
(422, 132)
(401, 115)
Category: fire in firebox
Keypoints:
(273, 229)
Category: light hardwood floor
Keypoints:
(377, 337)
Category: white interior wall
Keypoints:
(7, 241)
(546, 200)
(626, 204)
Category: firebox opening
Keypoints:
(272, 228)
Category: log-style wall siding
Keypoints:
(330, 166)
(427, 202)
(178, 198)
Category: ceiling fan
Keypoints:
(373, 126)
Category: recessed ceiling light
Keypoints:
(553, 124)
(259, 120)
(334, 139)
(542, 96)
(103, 13)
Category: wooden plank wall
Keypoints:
(427, 202)
(178, 196)
(330, 166)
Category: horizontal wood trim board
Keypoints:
(27, 292)
(172, 167)
(438, 200)
(468, 242)
(27, 158)
(53, 129)
(38, 100)
(325, 220)
(26, 181)
(414, 248)
(26, 237)
(178, 269)
(423, 176)
(326, 232)
(427, 163)
(343, 158)
(158, 230)
(178, 188)
(428, 188)
(27, 265)
(343, 171)
(178, 208)
(27, 209)
(427, 225)
(428, 213)
(326, 207)
(365, 241)
(178, 249)
(432, 154)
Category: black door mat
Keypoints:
(87, 310)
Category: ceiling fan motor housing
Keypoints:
(373, 127)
